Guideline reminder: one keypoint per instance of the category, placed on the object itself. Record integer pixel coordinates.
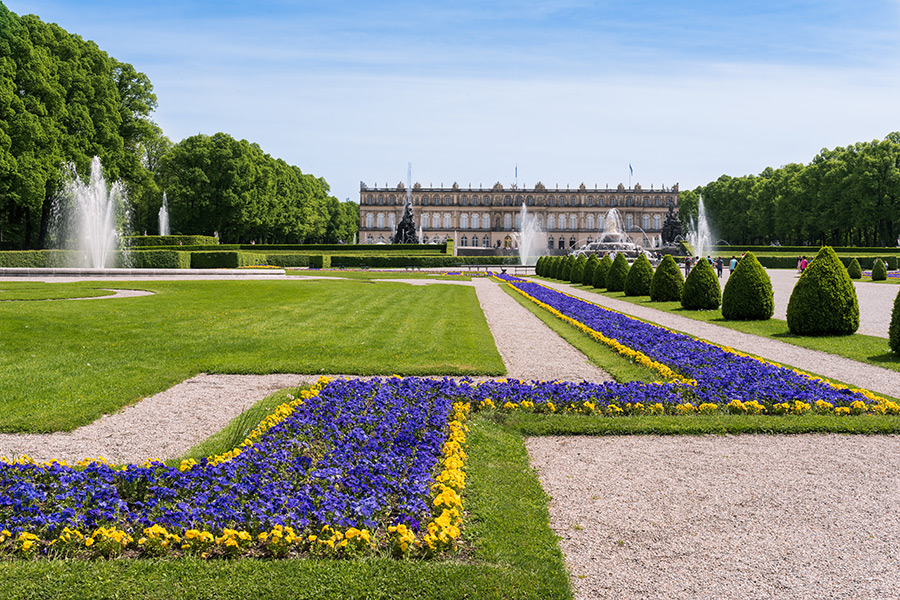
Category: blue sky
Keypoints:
(571, 91)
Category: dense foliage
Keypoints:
(667, 282)
(701, 288)
(844, 197)
(617, 274)
(639, 277)
(601, 271)
(578, 269)
(748, 294)
(824, 300)
(588, 277)
(854, 270)
(894, 328)
(63, 101)
(879, 271)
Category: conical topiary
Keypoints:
(553, 267)
(879, 271)
(601, 272)
(701, 288)
(566, 268)
(894, 329)
(824, 300)
(854, 270)
(539, 265)
(748, 292)
(639, 276)
(588, 278)
(667, 281)
(578, 269)
(618, 273)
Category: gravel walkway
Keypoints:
(722, 517)
(851, 372)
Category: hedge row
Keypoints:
(790, 262)
(203, 243)
(226, 260)
(324, 261)
(808, 251)
(36, 259)
(159, 259)
(143, 241)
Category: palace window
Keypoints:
(590, 239)
(550, 241)
(613, 201)
(519, 221)
(380, 199)
(551, 222)
(629, 201)
(645, 222)
(447, 224)
(629, 223)
(486, 242)
(446, 200)
(601, 223)
(474, 200)
(574, 201)
(425, 240)
(530, 201)
(562, 243)
(370, 199)
(380, 220)
(392, 221)
(550, 201)
(370, 239)
(370, 221)
(476, 221)
(656, 201)
(464, 241)
(425, 221)
(507, 201)
(424, 200)
(590, 222)
(590, 201)
(393, 201)
(573, 222)
(571, 242)
(381, 239)
(487, 200)
(507, 221)
(656, 221)
(601, 201)
(464, 221)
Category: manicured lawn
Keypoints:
(64, 364)
(372, 275)
(36, 290)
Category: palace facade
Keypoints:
(492, 218)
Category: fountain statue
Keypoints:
(164, 217)
(613, 240)
(91, 218)
(531, 238)
(406, 228)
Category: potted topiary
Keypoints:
(824, 300)
(639, 276)
(854, 270)
(701, 288)
(618, 273)
(748, 292)
(667, 282)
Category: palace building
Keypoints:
(491, 218)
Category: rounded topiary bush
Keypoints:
(568, 264)
(601, 271)
(578, 269)
(701, 288)
(639, 276)
(618, 273)
(667, 282)
(552, 268)
(589, 266)
(824, 300)
(879, 271)
(894, 329)
(854, 270)
(748, 292)
(540, 265)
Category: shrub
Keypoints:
(824, 300)
(879, 271)
(160, 259)
(592, 262)
(553, 267)
(539, 265)
(639, 276)
(578, 269)
(667, 282)
(701, 288)
(854, 270)
(748, 292)
(225, 260)
(894, 329)
(601, 271)
(565, 268)
(319, 261)
(618, 273)
(144, 241)
(891, 262)
(288, 260)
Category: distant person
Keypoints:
(803, 263)
(720, 264)
(687, 265)
(732, 265)
(709, 260)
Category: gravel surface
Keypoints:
(721, 517)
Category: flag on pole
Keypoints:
(630, 170)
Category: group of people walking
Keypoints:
(718, 263)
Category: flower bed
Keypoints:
(717, 375)
(348, 468)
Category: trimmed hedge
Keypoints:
(701, 288)
(288, 260)
(37, 259)
(143, 241)
(160, 259)
(790, 262)
(320, 261)
(618, 273)
(748, 294)
(225, 260)
(639, 277)
(667, 282)
(824, 300)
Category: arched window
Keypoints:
(464, 241)
(507, 201)
(507, 221)
(446, 200)
(575, 201)
(476, 222)
(562, 243)
(551, 222)
(571, 242)
(370, 199)
(590, 201)
(656, 201)
(425, 221)
(370, 221)
(602, 202)
(601, 223)
(464, 221)
(645, 222)
(589, 224)
(573, 222)
(474, 200)
(656, 221)
(424, 200)
(380, 199)
(486, 242)
(487, 200)
(550, 201)
(464, 201)
(613, 201)
(629, 223)
(370, 239)
(530, 201)
(380, 221)
(519, 221)
(392, 221)
(550, 243)
(447, 224)
(393, 201)
(629, 201)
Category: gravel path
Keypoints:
(725, 517)
(859, 374)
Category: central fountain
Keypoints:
(613, 240)
(91, 218)
(164, 217)
(700, 235)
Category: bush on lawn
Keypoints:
(701, 288)
(748, 294)
(824, 300)
(639, 277)
(667, 282)
(618, 273)
(601, 271)
(854, 270)
(879, 271)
